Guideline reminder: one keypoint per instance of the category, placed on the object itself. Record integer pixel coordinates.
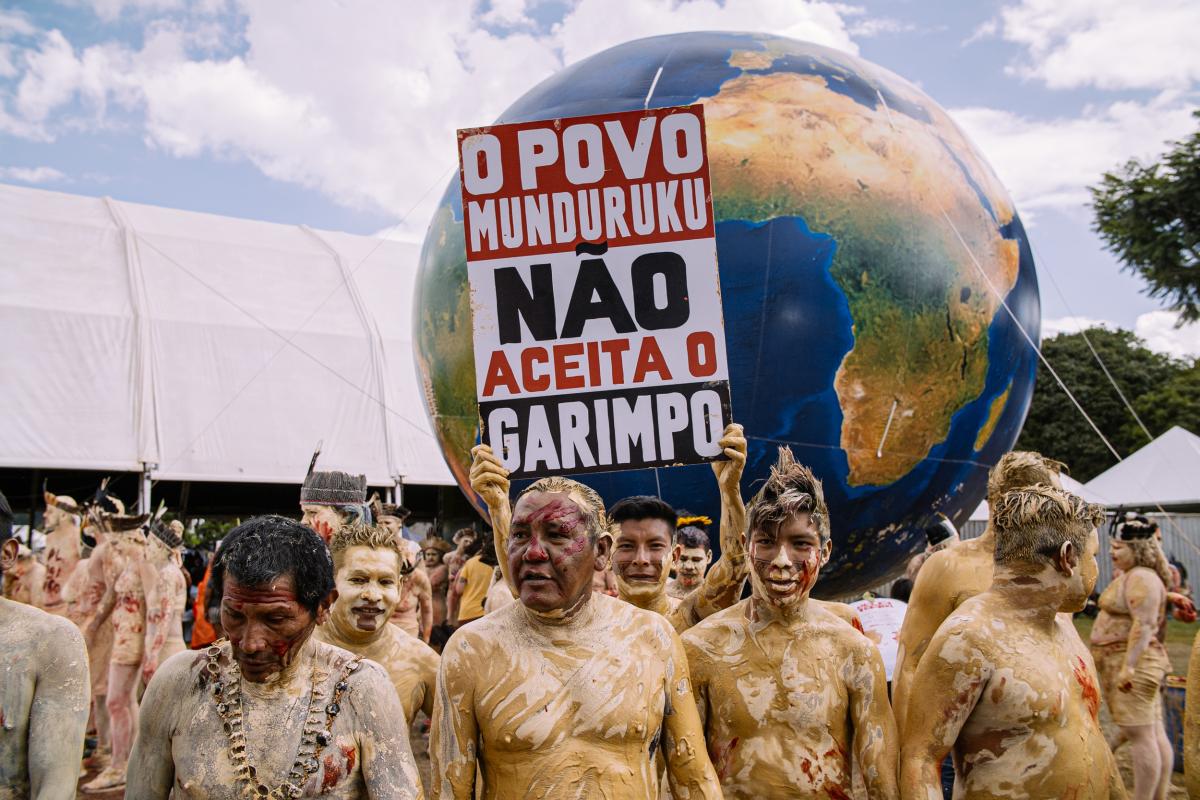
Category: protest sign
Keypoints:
(591, 252)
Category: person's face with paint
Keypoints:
(266, 624)
(786, 559)
(1083, 577)
(433, 557)
(690, 565)
(551, 553)
(643, 552)
(53, 517)
(368, 584)
(1123, 557)
(391, 524)
(325, 520)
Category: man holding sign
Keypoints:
(591, 253)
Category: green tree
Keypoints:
(1154, 384)
(1149, 216)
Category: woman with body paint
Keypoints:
(1132, 662)
(1003, 684)
(789, 693)
(272, 712)
(568, 692)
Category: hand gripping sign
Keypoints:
(599, 341)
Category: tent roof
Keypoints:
(1163, 473)
(219, 349)
(980, 514)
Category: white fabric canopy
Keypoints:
(1166, 472)
(218, 349)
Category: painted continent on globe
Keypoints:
(864, 248)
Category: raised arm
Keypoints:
(722, 585)
(58, 716)
(151, 770)
(949, 680)
(928, 607)
(388, 768)
(489, 480)
(1144, 593)
(690, 773)
(454, 741)
(876, 746)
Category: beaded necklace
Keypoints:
(227, 693)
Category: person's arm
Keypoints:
(722, 585)
(429, 674)
(59, 713)
(424, 595)
(928, 607)
(454, 741)
(455, 596)
(151, 771)
(1144, 594)
(388, 769)
(104, 608)
(1191, 724)
(37, 587)
(876, 747)
(158, 616)
(949, 679)
(690, 773)
(489, 480)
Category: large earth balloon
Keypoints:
(864, 247)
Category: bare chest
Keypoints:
(17, 677)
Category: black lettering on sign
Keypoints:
(595, 281)
(677, 310)
(534, 303)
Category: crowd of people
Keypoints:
(579, 651)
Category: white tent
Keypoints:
(980, 514)
(1166, 472)
(216, 349)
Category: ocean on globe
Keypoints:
(866, 252)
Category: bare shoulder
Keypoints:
(415, 650)
(181, 673)
(619, 615)
(713, 635)
(53, 638)
(1143, 580)
(828, 620)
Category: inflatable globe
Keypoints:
(865, 248)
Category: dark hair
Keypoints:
(6, 519)
(476, 546)
(487, 550)
(264, 548)
(691, 536)
(902, 590)
(644, 507)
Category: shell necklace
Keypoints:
(227, 694)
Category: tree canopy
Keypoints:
(1164, 391)
(1149, 216)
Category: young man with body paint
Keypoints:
(367, 563)
(60, 523)
(568, 692)
(272, 712)
(791, 695)
(954, 575)
(695, 554)
(1002, 683)
(44, 694)
(1132, 662)
(165, 589)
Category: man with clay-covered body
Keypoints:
(1002, 683)
(695, 554)
(330, 499)
(433, 550)
(1133, 664)
(115, 576)
(413, 613)
(568, 692)
(60, 523)
(272, 712)
(366, 561)
(954, 575)
(166, 597)
(44, 694)
(790, 695)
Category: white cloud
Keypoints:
(880, 26)
(1108, 44)
(1158, 329)
(32, 174)
(1053, 327)
(109, 10)
(1049, 163)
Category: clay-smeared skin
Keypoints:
(367, 578)
(1191, 724)
(44, 698)
(1007, 686)
(181, 744)
(414, 612)
(571, 707)
(166, 596)
(62, 554)
(23, 582)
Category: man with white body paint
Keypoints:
(790, 694)
(44, 694)
(60, 522)
(568, 692)
(695, 554)
(1002, 684)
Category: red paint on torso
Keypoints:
(331, 775)
(1091, 695)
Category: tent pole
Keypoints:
(144, 488)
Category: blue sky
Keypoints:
(341, 115)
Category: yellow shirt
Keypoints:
(478, 576)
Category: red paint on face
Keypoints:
(1091, 695)
(550, 554)
(564, 513)
(265, 624)
(573, 549)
